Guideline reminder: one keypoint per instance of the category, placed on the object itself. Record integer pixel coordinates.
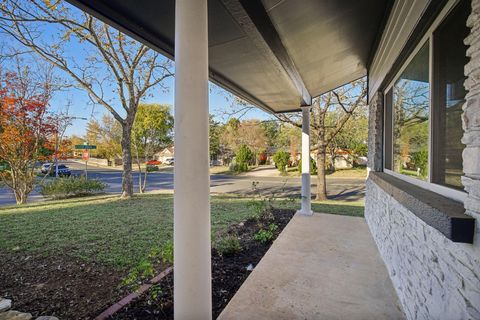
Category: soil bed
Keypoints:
(228, 273)
(70, 288)
(60, 286)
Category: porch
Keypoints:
(320, 267)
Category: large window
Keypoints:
(411, 100)
(423, 106)
(449, 95)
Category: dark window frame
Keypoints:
(428, 35)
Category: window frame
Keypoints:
(448, 192)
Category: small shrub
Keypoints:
(228, 245)
(243, 156)
(313, 166)
(142, 271)
(71, 187)
(281, 159)
(266, 235)
(167, 252)
(152, 168)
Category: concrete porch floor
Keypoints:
(320, 267)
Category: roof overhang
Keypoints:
(275, 54)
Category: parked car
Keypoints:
(153, 163)
(63, 170)
(169, 161)
(45, 167)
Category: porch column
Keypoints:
(192, 266)
(306, 194)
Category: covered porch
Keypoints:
(277, 55)
(320, 267)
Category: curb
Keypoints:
(132, 296)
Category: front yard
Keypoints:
(69, 256)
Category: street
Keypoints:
(344, 188)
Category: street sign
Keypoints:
(85, 156)
(85, 146)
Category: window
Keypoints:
(423, 107)
(411, 102)
(449, 95)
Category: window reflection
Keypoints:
(411, 117)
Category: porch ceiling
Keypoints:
(276, 54)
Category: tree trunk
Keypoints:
(20, 197)
(144, 187)
(20, 192)
(127, 183)
(321, 183)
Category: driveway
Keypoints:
(350, 189)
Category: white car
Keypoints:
(169, 161)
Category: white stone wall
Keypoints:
(471, 120)
(375, 132)
(434, 277)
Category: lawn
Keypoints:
(119, 232)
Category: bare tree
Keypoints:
(340, 104)
(115, 70)
(344, 101)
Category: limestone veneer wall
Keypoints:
(434, 277)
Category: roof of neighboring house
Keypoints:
(166, 151)
(274, 54)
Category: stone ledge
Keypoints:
(444, 214)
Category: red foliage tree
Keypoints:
(25, 132)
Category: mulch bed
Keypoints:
(60, 285)
(70, 288)
(228, 274)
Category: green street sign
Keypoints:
(85, 146)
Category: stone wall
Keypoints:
(471, 120)
(434, 277)
(375, 132)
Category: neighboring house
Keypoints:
(167, 153)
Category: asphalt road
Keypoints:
(349, 189)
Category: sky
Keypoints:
(79, 104)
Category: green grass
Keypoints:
(118, 232)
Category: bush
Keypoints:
(281, 159)
(152, 168)
(71, 187)
(313, 166)
(266, 235)
(420, 159)
(228, 245)
(243, 156)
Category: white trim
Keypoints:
(428, 185)
(442, 190)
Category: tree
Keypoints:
(107, 136)
(215, 131)
(281, 159)
(114, 63)
(248, 132)
(344, 101)
(25, 130)
(152, 131)
(252, 134)
(352, 138)
(243, 157)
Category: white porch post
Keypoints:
(192, 266)
(306, 208)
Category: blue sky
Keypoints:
(80, 105)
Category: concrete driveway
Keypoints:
(350, 189)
